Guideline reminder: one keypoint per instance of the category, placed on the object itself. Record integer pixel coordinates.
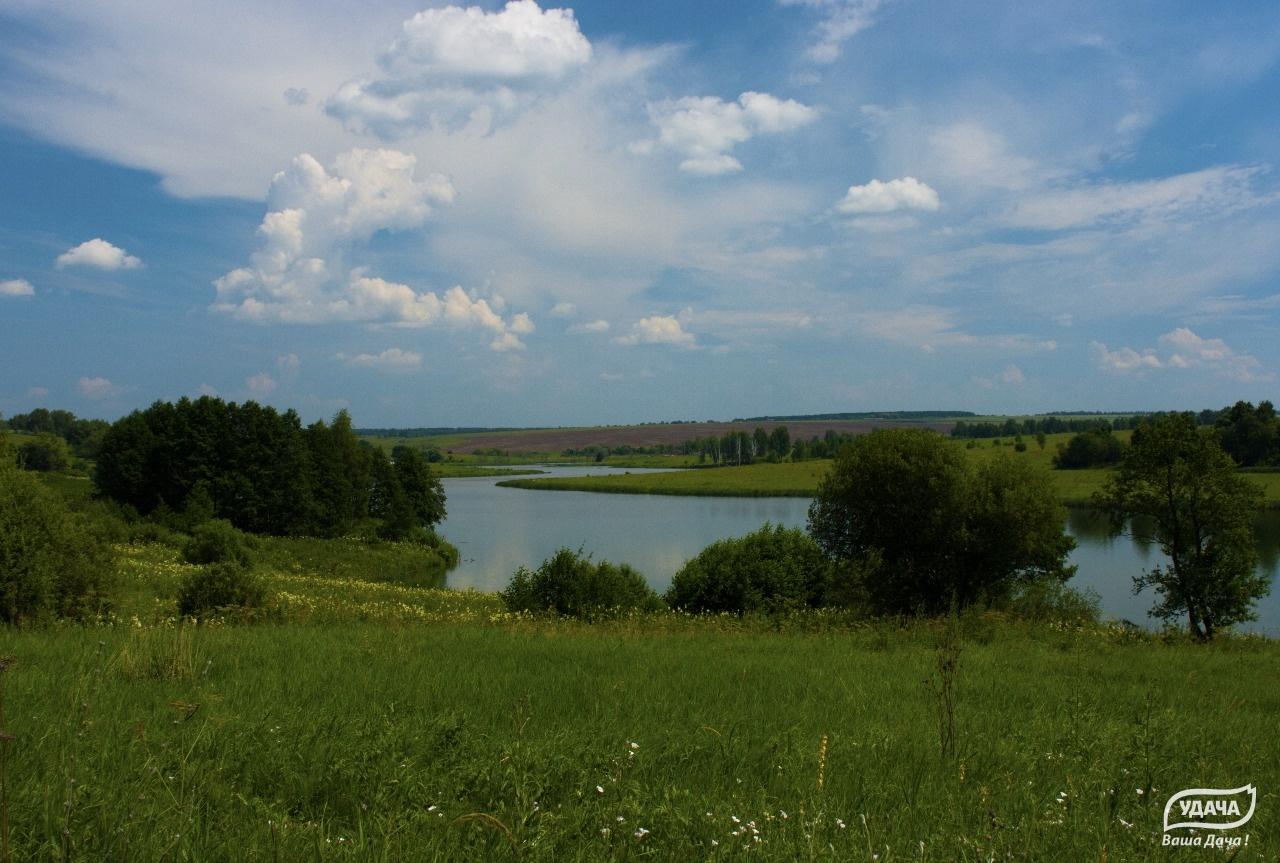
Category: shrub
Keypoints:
(47, 453)
(216, 541)
(52, 561)
(1048, 600)
(570, 583)
(218, 586)
(772, 569)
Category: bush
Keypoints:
(52, 561)
(569, 583)
(216, 541)
(216, 587)
(1048, 600)
(772, 569)
(47, 453)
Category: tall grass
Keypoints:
(553, 740)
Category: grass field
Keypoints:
(800, 479)
(463, 734)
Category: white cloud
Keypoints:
(288, 363)
(563, 310)
(705, 128)
(1012, 375)
(392, 359)
(98, 254)
(931, 327)
(1182, 349)
(522, 324)
(590, 327)
(455, 66)
(206, 390)
(16, 288)
(658, 330)
(260, 385)
(842, 20)
(316, 220)
(906, 193)
(1213, 191)
(37, 392)
(974, 155)
(97, 388)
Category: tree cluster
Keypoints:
(82, 435)
(1250, 435)
(1043, 425)
(923, 529)
(1094, 448)
(263, 471)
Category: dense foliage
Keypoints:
(1179, 477)
(82, 435)
(263, 471)
(1043, 425)
(772, 569)
(1251, 436)
(927, 529)
(53, 563)
(46, 453)
(569, 583)
(1093, 448)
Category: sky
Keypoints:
(521, 214)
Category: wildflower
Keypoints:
(782, 814)
(641, 833)
(840, 824)
(1125, 823)
(599, 789)
(621, 819)
(1140, 791)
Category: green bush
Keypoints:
(569, 583)
(1048, 600)
(216, 541)
(219, 586)
(47, 453)
(53, 563)
(772, 569)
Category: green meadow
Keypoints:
(800, 479)
(364, 720)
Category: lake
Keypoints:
(497, 530)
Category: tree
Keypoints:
(926, 529)
(771, 569)
(1250, 435)
(1180, 478)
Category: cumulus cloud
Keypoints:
(98, 254)
(260, 385)
(97, 388)
(16, 288)
(392, 359)
(971, 154)
(1213, 191)
(316, 220)
(454, 66)
(288, 363)
(563, 310)
(906, 193)
(658, 330)
(37, 392)
(841, 21)
(590, 327)
(1182, 349)
(703, 129)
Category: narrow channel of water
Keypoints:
(497, 530)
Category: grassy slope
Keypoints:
(514, 740)
(1074, 487)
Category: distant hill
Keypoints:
(897, 416)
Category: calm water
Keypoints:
(499, 529)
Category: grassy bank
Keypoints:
(800, 479)
(489, 739)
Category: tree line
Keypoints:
(263, 471)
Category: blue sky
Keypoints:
(518, 214)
